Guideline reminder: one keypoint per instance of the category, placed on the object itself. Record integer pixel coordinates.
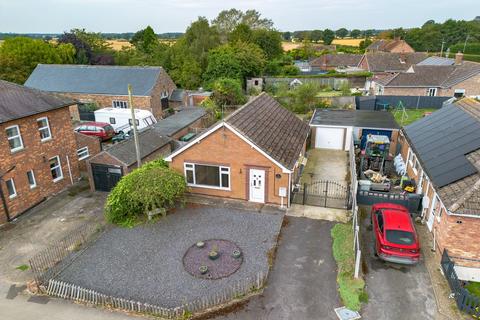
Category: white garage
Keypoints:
(330, 138)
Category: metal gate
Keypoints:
(105, 177)
(323, 193)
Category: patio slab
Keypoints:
(325, 164)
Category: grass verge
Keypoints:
(352, 291)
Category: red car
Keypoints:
(102, 130)
(395, 236)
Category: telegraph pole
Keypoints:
(465, 44)
(134, 125)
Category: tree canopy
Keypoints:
(328, 36)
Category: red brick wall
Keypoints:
(35, 156)
(94, 147)
(225, 148)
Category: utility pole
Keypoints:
(465, 44)
(134, 125)
(441, 51)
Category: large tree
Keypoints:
(199, 38)
(145, 40)
(328, 36)
(19, 56)
(316, 35)
(341, 33)
(269, 41)
(228, 20)
(355, 33)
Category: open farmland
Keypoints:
(348, 42)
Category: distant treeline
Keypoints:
(125, 35)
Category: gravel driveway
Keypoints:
(395, 292)
(145, 263)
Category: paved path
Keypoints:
(395, 292)
(302, 284)
(324, 164)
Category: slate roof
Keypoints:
(17, 101)
(442, 140)
(178, 121)
(385, 44)
(443, 76)
(150, 141)
(177, 95)
(272, 128)
(354, 118)
(337, 60)
(437, 61)
(393, 62)
(110, 80)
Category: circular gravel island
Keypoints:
(213, 259)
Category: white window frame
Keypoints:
(462, 91)
(188, 166)
(34, 179)
(83, 151)
(59, 166)
(11, 196)
(432, 92)
(43, 128)
(413, 161)
(120, 104)
(19, 136)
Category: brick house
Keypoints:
(442, 153)
(449, 78)
(390, 45)
(335, 61)
(106, 86)
(251, 155)
(87, 146)
(38, 152)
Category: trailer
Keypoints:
(121, 119)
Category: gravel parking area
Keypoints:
(145, 263)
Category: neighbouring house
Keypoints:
(87, 146)
(442, 153)
(334, 129)
(107, 167)
(254, 84)
(106, 86)
(328, 62)
(38, 151)
(187, 98)
(390, 45)
(252, 155)
(433, 77)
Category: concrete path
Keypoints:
(302, 283)
(318, 213)
(395, 292)
(324, 164)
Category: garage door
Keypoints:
(329, 138)
(105, 177)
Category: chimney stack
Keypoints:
(458, 58)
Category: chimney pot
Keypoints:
(458, 58)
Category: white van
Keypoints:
(121, 119)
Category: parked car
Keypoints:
(121, 119)
(99, 129)
(395, 236)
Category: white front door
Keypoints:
(257, 185)
(431, 217)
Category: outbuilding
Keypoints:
(334, 129)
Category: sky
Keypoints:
(57, 16)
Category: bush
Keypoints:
(228, 91)
(149, 187)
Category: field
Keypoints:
(287, 46)
(348, 42)
(119, 44)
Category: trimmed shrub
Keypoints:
(149, 187)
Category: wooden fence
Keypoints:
(466, 301)
(48, 263)
(76, 293)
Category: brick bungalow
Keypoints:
(335, 61)
(442, 153)
(106, 86)
(251, 155)
(38, 151)
(390, 45)
(440, 78)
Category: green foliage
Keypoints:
(471, 48)
(364, 44)
(410, 116)
(227, 20)
(341, 33)
(269, 41)
(19, 56)
(212, 108)
(149, 187)
(352, 291)
(345, 88)
(199, 38)
(328, 36)
(355, 33)
(242, 32)
(145, 40)
(236, 61)
(23, 267)
(228, 91)
(333, 74)
(316, 35)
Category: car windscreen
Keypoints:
(400, 237)
(108, 128)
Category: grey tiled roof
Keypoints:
(391, 62)
(337, 60)
(150, 141)
(354, 118)
(17, 101)
(272, 128)
(436, 61)
(178, 121)
(177, 95)
(111, 80)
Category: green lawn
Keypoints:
(474, 288)
(412, 115)
(352, 291)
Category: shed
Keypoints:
(334, 129)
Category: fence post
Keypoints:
(304, 193)
(326, 193)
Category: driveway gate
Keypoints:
(323, 193)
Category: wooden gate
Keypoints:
(323, 193)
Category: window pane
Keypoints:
(225, 180)
(207, 175)
(42, 123)
(11, 132)
(10, 187)
(15, 143)
(400, 237)
(189, 176)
